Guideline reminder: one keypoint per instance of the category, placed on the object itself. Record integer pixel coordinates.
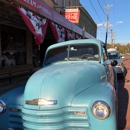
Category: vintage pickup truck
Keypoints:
(76, 89)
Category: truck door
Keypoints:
(108, 67)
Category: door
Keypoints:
(108, 67)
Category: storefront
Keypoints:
(27, 28)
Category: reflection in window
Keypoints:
(104, 54)
(113, 55)
(73, 53)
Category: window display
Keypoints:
(12, 46)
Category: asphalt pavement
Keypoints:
(124, 97)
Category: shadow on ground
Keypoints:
(123, 97)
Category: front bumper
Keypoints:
(60, 119)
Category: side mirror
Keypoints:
(114, 62)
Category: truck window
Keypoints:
(113, 55)
(104, 54)
(73, 53)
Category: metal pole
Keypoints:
(112, 38)
(107, 19)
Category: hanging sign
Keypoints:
(71, 14)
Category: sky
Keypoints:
(118, 19)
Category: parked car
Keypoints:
(76, 89)
(113, 54)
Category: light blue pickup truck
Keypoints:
(76, 89)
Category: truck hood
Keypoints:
(61, 82)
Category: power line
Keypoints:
(101, 7)
(95, 11)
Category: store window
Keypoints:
(75, 2)
(63, 3)
(70, 2)
(88, 29)
(83, 24)
(13, 46)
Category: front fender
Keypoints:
(104, 92)
(12, 115)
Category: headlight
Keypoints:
(2, 106)
(100, 110)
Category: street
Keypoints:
(123, 97)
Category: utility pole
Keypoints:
(112, 38)
(107, 19)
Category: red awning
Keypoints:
(70, 35)
(58, 31)
(40, 8)
(37, 25)
(77, 36)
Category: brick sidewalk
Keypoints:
(124, 99)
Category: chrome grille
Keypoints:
(60, 119)
(15, 118)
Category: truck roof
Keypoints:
(82, 41)
(111, 49)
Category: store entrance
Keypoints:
(13, 49)
(20, 57)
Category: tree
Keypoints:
(123, 49)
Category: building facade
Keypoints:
(21, 49)
(85, 20)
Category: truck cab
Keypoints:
(76, 88)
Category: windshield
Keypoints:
(113, 55)
(73, 53)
